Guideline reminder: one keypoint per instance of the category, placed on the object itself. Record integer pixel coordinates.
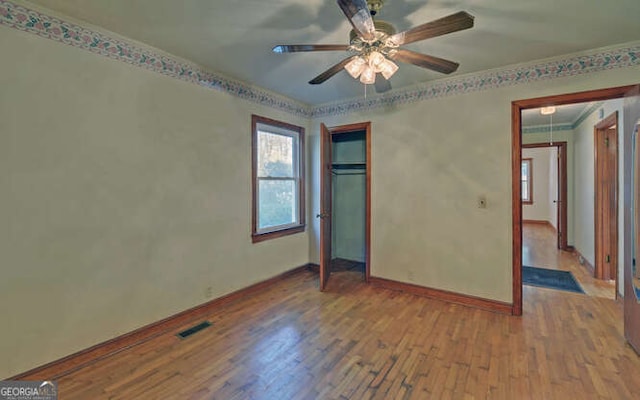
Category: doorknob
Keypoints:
(322, 215)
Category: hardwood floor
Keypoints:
(539, 249)
(355, 341)
(340, 264)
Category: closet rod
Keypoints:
(348, 173)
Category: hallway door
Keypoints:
(606, 198)
(561, 196)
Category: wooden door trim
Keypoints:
(600, 127)
(562, 190)
(516, 157)
(366, 127)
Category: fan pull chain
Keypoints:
(551, 129)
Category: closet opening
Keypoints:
(345, 202)
(348, 174)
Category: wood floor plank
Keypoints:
(539, 249)
(355, 341)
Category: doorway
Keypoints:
(345, 200)
(544, 204)
(517, 108)
(555, 195)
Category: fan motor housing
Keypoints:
(381, 26)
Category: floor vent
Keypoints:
(186, 333)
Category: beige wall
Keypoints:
(430, 162)
(125, 194)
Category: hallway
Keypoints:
(539, 250)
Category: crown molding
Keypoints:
(63, 29)
(546, 128)
(586, 113)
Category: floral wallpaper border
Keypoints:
(625, 56)
(546, 129)
(24, 19)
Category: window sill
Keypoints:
(528, 203)
(261, 237)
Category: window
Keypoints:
(527, 180)
(278, 178)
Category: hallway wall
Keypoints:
(584, 224)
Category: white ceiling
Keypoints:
(565, 114)
(235, 38)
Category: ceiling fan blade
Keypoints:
(424, 61)
(452, 23)
(382, 85)
(331, 71)
(357, 12)
(294, 48)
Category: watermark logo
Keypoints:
(28, 390)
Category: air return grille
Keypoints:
(186, 333)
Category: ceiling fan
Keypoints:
(376, 45)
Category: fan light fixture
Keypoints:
(547, 110)
(355, 67)
(377, 45)
(368, 76)
(366, 67)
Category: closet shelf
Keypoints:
(341, 166)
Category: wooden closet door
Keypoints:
(325, 207)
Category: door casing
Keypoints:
(516, 160)
(325, 199)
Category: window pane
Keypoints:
(278, 179)
(275, 155)
(277, 205)
(525, 178)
